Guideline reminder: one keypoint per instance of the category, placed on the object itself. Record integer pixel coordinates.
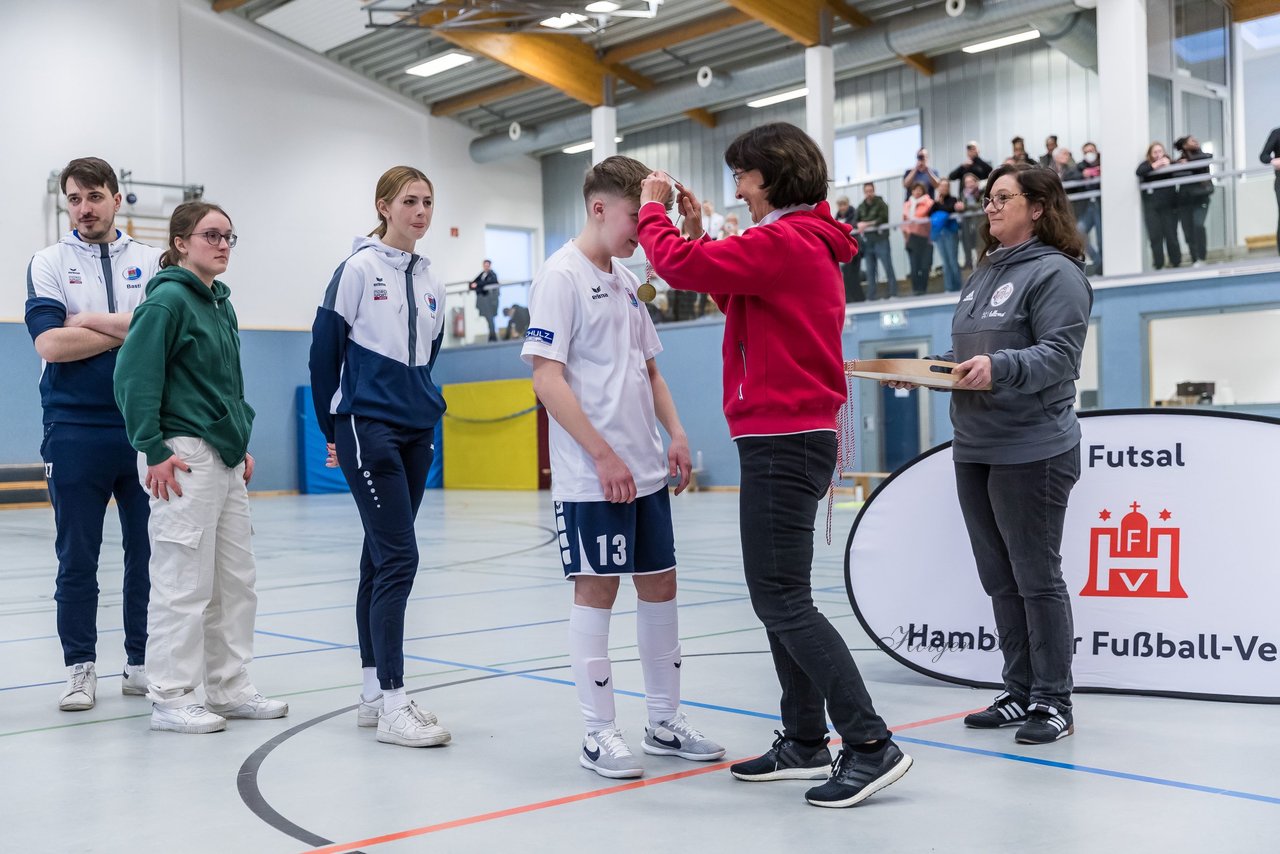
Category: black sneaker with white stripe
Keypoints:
(788, 759)
(1005, 711)
(857, 776)
(1045, 725)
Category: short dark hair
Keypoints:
(1017, 140)
(618, 175)
(1057, 227)
(1052, 136)
(792, 167)
(871, 184)
(89, 172)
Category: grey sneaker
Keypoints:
(409, 726)
(192, 719)
(82, 688)
(257, 708)
(607, 754)
(133, 682)
(369, 711)
(677, 738)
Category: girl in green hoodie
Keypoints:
(181, 390)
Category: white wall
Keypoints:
(290, 145)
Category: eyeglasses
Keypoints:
(216, 237)
(737, 174)
(999, 200)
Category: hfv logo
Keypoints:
(1135, 559)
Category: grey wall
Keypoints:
(1029, 90)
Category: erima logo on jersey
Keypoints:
(599, 293)
(133, 273)
(543, 336)
(73, 277)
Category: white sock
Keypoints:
(592, 670)
(393, 699)
(658, 638)
(371, 687)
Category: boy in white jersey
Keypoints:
(592, 347)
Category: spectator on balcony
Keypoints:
(873, 240)
(944, 231)
(921, 173)
(486, 287)
(971, 196)
(915, 230)
(1047, 159)
(1271, 154)
(1019, 152)
(1160, 208)
(1194, 198)
(972, 165)
(852, 271)
(713, 221)
(1089, 211)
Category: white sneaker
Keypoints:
(369, 711)
(82, 688)
(134, 681)
(676, 737)
(607, 754)
(256, 708)
(191, 719)
(411, 727)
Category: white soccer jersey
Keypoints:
(592, 322)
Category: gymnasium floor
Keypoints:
(487, 626)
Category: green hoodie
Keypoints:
(178, 372)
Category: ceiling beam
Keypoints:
(798, 20)
(227, 5)
(920, 63)
(1249, 10)
(845, 10)
(675, 35)
(561, 61)
(480, 97)
(706, 118)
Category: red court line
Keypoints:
(568, 799)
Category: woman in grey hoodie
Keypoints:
(1019, 329)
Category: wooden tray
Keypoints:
(929, 373)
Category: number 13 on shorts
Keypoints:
(600, 538)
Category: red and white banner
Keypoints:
(1168, 553)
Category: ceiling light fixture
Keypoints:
(437, 64)
(1029, 35)
(560, 22)
(578, 148)
(770, 100)
(603, 7)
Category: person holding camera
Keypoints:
(921, 173)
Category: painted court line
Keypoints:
(562, 801)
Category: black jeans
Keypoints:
(1162, 231)
(783, 480)
(920, 254)
(1014, 515)
(386, 467)
(1277, 211)
(1192, 213)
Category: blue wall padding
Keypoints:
(313, 476)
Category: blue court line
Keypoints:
(1088, 769)
(331, 645)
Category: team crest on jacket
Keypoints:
(379, 293)
(632, 297)
(133, 273)
(431, 302)
(1002, 294)
(73, 277)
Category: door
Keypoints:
(900, 418)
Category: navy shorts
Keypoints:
(601, 538)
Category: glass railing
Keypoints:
(1235, 208)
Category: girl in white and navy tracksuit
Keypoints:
(374, 340)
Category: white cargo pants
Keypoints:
(202, 608)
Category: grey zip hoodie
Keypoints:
(1027, 307)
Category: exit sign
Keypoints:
(893, 320)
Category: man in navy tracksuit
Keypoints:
(81, 293)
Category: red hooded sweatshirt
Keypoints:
(780, 288)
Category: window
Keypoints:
(1229, 359)
(893, 150)
(511, 251)
(848, 154)
(1200, 39)
(886, 146)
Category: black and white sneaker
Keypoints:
(857, 776)
(1045, 725)
(1005, 711)
(788, 759)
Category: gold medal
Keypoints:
(646, 292)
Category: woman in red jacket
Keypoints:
(780, 288)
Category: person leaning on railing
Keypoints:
(1271, 154)
(1194, 198)
(1160, 208)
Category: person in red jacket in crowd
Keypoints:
(780, 288)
